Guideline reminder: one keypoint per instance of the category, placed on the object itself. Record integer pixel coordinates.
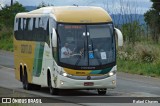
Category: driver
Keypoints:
(65, 51)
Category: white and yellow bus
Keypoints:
(66, 47)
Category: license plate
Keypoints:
(88, 83)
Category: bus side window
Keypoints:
(30, 24)
(19, 23)
(16, 27)
(25, 28)
(16, 24)
(39, 31)
(19, 32)
(30, 30)
(16, 32)
(41, 36)
(24, 23)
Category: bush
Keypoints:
(142, 58)
(127, 53)
(1, 26)
(147, 53)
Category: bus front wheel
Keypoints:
(53, 91)
(102, 91)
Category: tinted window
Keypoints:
(28, 31)
(86, 45)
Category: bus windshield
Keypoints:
(86, 45)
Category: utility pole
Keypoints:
(11, 2)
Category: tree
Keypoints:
(127, 20)
(8, 13)
(152, 18)
(43, 4)
(156, 5)
(131, 31)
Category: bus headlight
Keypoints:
(64, 74)
(111, 73)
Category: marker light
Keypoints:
(61, 82)
(113, 82)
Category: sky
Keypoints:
(112, 6)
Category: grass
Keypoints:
(135, 67)
(143, 58)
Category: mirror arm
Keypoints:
(119, 37)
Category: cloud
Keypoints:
(138, 6)
(127, 6)
(4, 2)
(142, 5)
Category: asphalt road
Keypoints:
(128, 85)
(6, 59)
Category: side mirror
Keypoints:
(54, 38)
(119, 37)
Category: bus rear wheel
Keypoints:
(53, 91)
(102, 91)
(25, 83)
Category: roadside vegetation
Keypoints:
(7, 14)
(143, 58)
(6, 39)
(140, 53)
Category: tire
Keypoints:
(102, 92)
(25, 83)
(37, 87)
(53, 91)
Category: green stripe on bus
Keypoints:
(95, 71)
(38, 59)
(104, 71)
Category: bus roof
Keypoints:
(75, 14)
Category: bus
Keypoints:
(66, 47)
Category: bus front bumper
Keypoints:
(68, 83)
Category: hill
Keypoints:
(118, 19)
(30, 8)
